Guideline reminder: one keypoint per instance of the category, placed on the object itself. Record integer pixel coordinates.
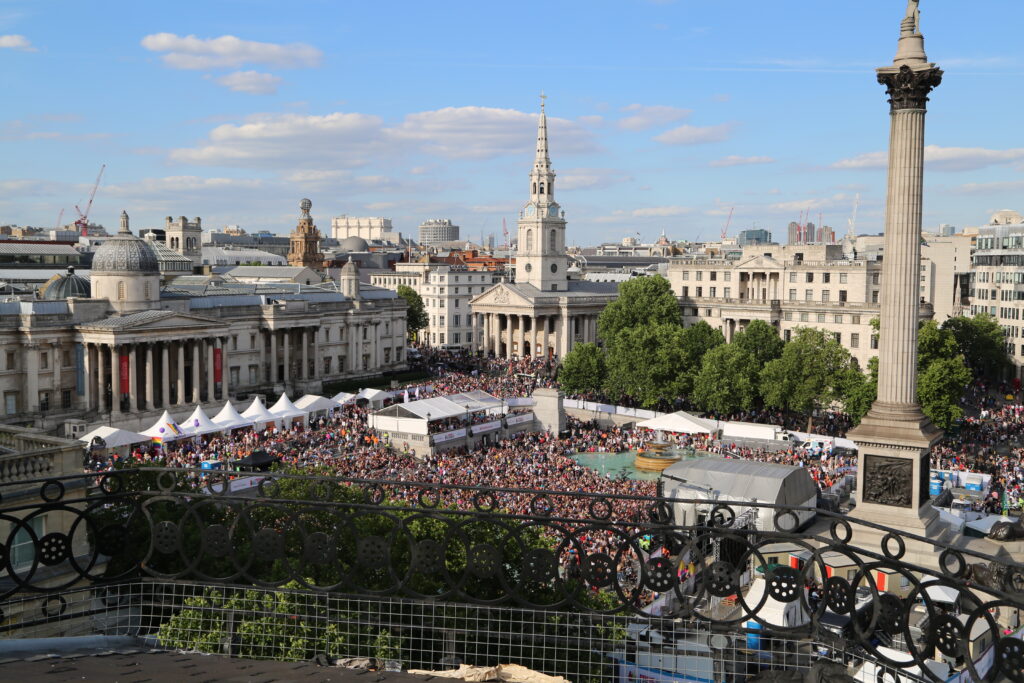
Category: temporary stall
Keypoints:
(286, 411)
(414, 416)
(680, 423)
(229, 418)
(735, 481)
(258, 414)
(165, 429)
(375, 397)
(317, 405)
(199, 423)
(113, 437)
(344, 398)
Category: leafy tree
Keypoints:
(648, 363)
(940, 387)
(641, 301)
(728, 379)
(417, 315)
(861, 391)
(813, 370)
(760, 340)
(697, 340)
(583, 369)
(982, 343)
(933, 343)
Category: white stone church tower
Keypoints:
(540, 256)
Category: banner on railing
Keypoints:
(449, 436)
(486, 427)
(519, 419)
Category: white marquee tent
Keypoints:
(165, 429)
(199, 423)
(312, 403)
(285, 410)
(680, 423)
(258, 414)
(343, 398)
(114, 437)
(412, 417)
(229, 418)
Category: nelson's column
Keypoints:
(894, 438)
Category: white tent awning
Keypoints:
(313, 403)
(284, 408)
(343, 397)
(165, 429)
(114, 437)
(680, 423)
(229, 418)
(200, 423)
(258, 413)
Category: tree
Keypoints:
(940, 387)
(641, 301)
(860, 391)
(728, 379)
(982, 343)
(760, 340)
(647, 363)
(583, 369)
(416, 316)
(933, 343)
(813, 370)
(697, 340)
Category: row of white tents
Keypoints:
(284, 413)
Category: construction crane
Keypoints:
(82, 223)
(728, 222)
(504, 231)
(60, 217)
(851, 231)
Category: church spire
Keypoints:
(542, 178)
(543, 160)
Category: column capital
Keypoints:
(908, 88)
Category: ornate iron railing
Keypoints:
(847, 584)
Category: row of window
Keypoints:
(794, 276)
(46, 398)
(454, 338)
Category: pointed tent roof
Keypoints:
(257, 412)
(343, 398)
(200, 423)
(165, 429)
(313, 403)
(680, 423)
(229, 418)
(373, 394)
(114, 437)
(285, 408)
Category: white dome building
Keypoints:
(125, 271)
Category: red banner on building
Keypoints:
(124, 375)
(218, 369)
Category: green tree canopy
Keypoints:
(641, 301)
(583, 369)
(933, 343)
(813, 370)
(939, 388)
(728, 379)
(760, 340)
(982, 343)
(647, 362)
(697, 340)
(860, 390)
(417, 314)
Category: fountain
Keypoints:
(658, 455)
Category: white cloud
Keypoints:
(696, 135)
(349, 139)
(590, 178)
(661, 211)
(190, 52)
(642, 117)
(252, 82)
(16, 42)
(836, 201)
(486, 132)
(593, 120)
(734, 160)
(148, 187)
(991, 188)
(940, 159)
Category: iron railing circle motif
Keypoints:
(393, 538)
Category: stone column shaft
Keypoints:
(115, 379)
(149, 377)
(304, 372)
(196, 395)
(179, 395)
(273, 356)
(90, 383)
(165, 374)
(133, 378)
(211, 377)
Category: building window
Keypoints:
(147, 291)
(44, 401)
(855, 319)
(808, 295)
(11, 402)
(700, 291)
(803, 317)
(792, 277)
(712, 291)
(876, 278)
(792, 295)
(842, 278)
(824, 296)
(700, 274)
(787, 335)
(826, 277)
(809, 277)
(838, 319)
(788, 315)
(686, 291)
(727, 276)
(727, 292)
(252, 341)
(366, 333)
(44, 360)
(686, 275)
(234, 342)
(456, 321)
(838, 337)
(842, 295)
(65, 399)
(120, 290)
(874, 297)
(854, 340)
(713, 276)
(874, 341)
(821, 317)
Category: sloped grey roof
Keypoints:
(125, 321)
(21, 248)
(264, 271)
(746, 479)
(33, 308)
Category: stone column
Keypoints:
(179, 395)
(304, 372)
(544, 337)
(31, 377)
(273, 356)
(115, 379)
(149, 377)
(355, 344)
(196, 394)
(317, 359)
(133, 379)
(487, 333)
(57, 360)
(894, 438)
(211, 378)
(165, 374)
(260, 339)
(521, 334)
(286, 341)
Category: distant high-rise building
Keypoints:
(794, 233)
(826, 235)
(752, 237)
(438, 230)
(947, 230)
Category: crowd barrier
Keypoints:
(593, 407)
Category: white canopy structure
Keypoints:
(199, 423)
(343, 398)
(228, 418)
(257, 413)
(412, 417)
(114, 437)
(165, 429)
(284, 409)
(375, 397)
(680, 423)
(312, 403)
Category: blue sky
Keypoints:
(663, 114)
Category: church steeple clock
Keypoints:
(540, 255)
